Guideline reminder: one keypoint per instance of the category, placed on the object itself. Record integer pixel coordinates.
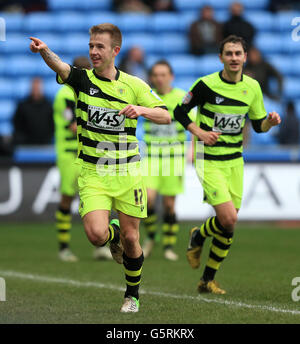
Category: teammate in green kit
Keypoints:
(108, 105)
(223, 99)
(166, 153)
(66, 154)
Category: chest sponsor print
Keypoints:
(103, 118)
(227, 123)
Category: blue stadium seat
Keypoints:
(188, 5)
(15, 44)
(283, 63)
(269, 43)
(166, 22)
(50, 88)
(172, 44)
(39, 22)
(23, 65)
(7, 110)
(184, 83)
(23, 85)
(187, 18)
(6, 88)
(146, 41)
(58, 5)
(291, 88)
(262, 138)
(71, 22)
(222, 15)
(273, 105)
(76, 44)
(6, 129)
(284, 21)
(134, 22)
(297, 107)
(290, 46)
(208, 64)
(261, 20)
(95, 18)
(183, 65)
(54, 41)
(151, 59)
(13, 21)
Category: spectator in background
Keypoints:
(33, 120)
(205, 33)
(133, 63)
(263, 72)
(160, 5)
(283, 5)
(289, 129)
(237, 25)
(23, 5)
(131, 6)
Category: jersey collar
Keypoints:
(229, 82)
(106, 79)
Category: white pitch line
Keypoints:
(48, 279)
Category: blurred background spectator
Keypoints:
(23, 5)
(283, 5)
(131, 6)
(261, 70)
(205, 33)
(33, 120)
(134, 63)
(160, 5)
(237, 25)
(289, 130)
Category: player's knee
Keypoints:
(229, 221)
(96, 236)
(131, 238)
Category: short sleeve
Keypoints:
(75, 78)
(194, 97)
(146, 96)
(257, 108)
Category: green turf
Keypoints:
(258, 272)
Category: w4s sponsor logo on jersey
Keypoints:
(103, 118)
(226, 123)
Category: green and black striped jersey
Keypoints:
(64, 114)
(106, 138)
(166, 134)
(223, 106)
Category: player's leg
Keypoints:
(170, 228)
(133, 259)
(150, 223)
(69, 172)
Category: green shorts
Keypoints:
(121, 193)
(69, 172)
(167, 180)
(222, 184)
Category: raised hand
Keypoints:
(37, 45)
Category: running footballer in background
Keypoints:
(165, 162)
(223, 99)
(66, 156)
(108, 104)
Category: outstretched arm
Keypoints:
(157, 115)
(52, 60)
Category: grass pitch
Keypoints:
(257, 276)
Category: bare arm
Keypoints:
(52, 60)
(157, 115)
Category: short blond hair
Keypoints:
(113, 30)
